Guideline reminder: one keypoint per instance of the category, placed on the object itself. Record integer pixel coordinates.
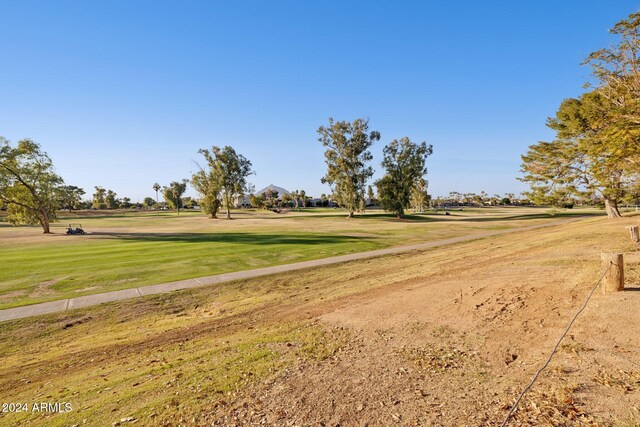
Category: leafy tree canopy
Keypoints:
(71, 197)
(347, 157)
(404, 163)
(596, 151)
(224, 179)
(29, 185)
(173, 194)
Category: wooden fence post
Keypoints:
(634, 230)
(613, 280)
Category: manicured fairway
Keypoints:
(124, 250)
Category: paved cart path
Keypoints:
(89, 300)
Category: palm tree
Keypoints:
(156, 187)
(303, 197)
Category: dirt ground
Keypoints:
(457, 349)
(448, 336)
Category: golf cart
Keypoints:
(75, 229)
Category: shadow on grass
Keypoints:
(131, 215)
(367, 216)
(236, 238)
(455, 216)
(532, 216)
(77, 215)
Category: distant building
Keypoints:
(242, 201)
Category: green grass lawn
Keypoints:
(129, 249)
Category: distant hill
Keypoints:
(272, 187)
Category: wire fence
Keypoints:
(555, 348)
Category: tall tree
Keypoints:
(71, 197)
(295, 198)
(596, 151)
(234, 170)
(347, 156)
(111, 200)
(156, 187)
(404, 163)
(98, 201)
(227, 176)
(287, 199)
(257, 202)
(483, 197)
(590, 156)
(457, 197)
(419, 196)
(29, 186)
(207, 181)
(303, 198)
(271, 198)
(370, 194)
(617, 72)
(173, 194)
(124, 203)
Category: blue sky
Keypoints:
(123, 94)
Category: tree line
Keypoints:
(32, 191)
(455, 198)
(223, 178)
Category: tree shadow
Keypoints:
(235, 238)
(454, 216)
(130, 215)
(532, 216)
(367, 216)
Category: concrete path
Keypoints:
(89, 300)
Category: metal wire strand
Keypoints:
(553, 352)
